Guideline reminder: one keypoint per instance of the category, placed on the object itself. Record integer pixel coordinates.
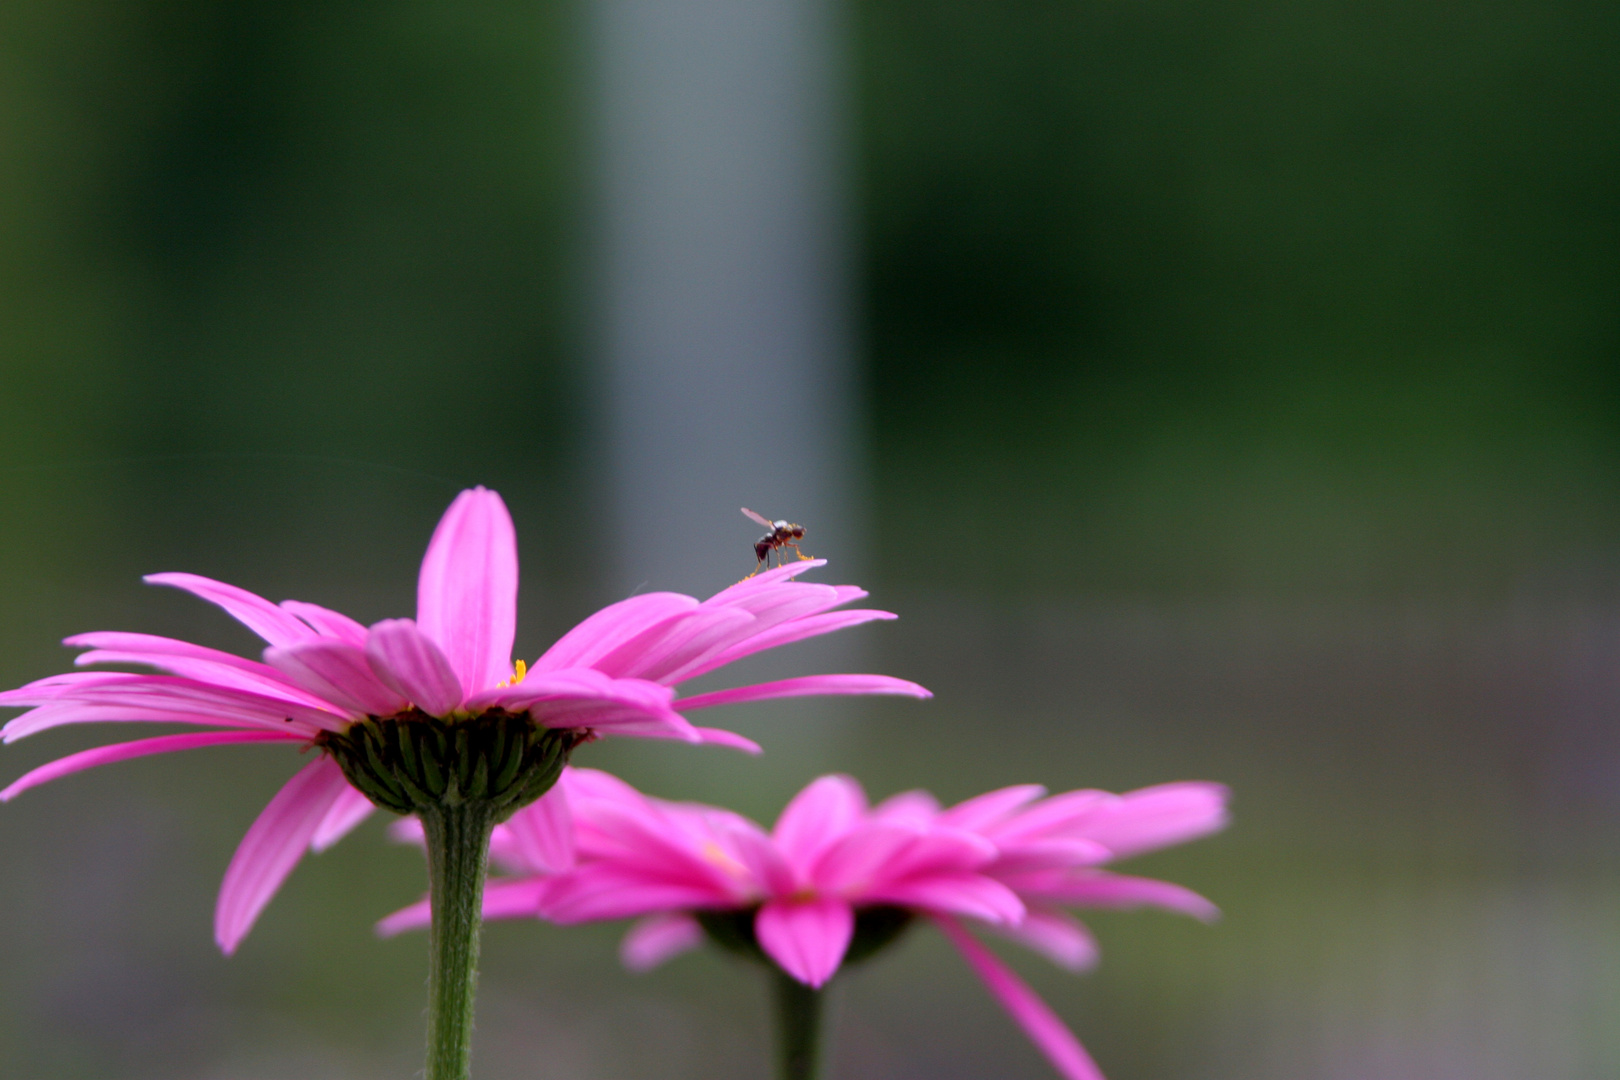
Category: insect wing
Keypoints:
(765, 521)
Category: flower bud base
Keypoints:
(414, 762)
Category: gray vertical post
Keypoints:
(724, 319)
(725, 377)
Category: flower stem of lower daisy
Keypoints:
(798, 1027)
(457, 856)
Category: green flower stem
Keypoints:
(460, 776)
(798, 1007)
(798, 1027)
(457, 857)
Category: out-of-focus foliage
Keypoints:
(1188, 296)
(305, 247)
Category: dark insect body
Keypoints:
(779, 535)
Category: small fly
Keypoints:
(778, 535)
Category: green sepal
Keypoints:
(409, 756)
(413, 761)
(433, 773)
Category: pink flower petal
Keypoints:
(583, 697)
(956, 893)
(790, 599)
(157, 647)
(57, 687)
(1157, 817)
(611, 627)
(188, 661)
(541, 835)
(848, 865)
(578, 689)
(583, 783)
(348, 811)
(772, 607)
(266, 682)
(596, 892)
(629, 726)
(271, 684)
(817, 817)
(166, 691)
(328, 623)
(1056, 935)
(408, 830)
(764, 871)
(658, 938)
(721, 737)
(106, 755)
(678, 643)
(768, 578)
(513, 899)
(753, 590)
(408, 662)
(338, 672)
(1039, 1022)
(466, 596)
(1119, 892)
(418, 916)
(650, 842)
(877, 854)
(147, 697)
(555, 685)
(908, 807)
(1069, 813)
(806, 686)
(274, 625)
(616, 717)
(982, 811)
(807, 939)
(71, 687)
(660, 841)
(1050, 853)
(60, 714)
(786, 634)
(674, 727)
(272, 847)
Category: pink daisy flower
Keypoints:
(407, 710)
(835, 880)
(802, 883)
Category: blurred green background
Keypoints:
(1241, 400)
